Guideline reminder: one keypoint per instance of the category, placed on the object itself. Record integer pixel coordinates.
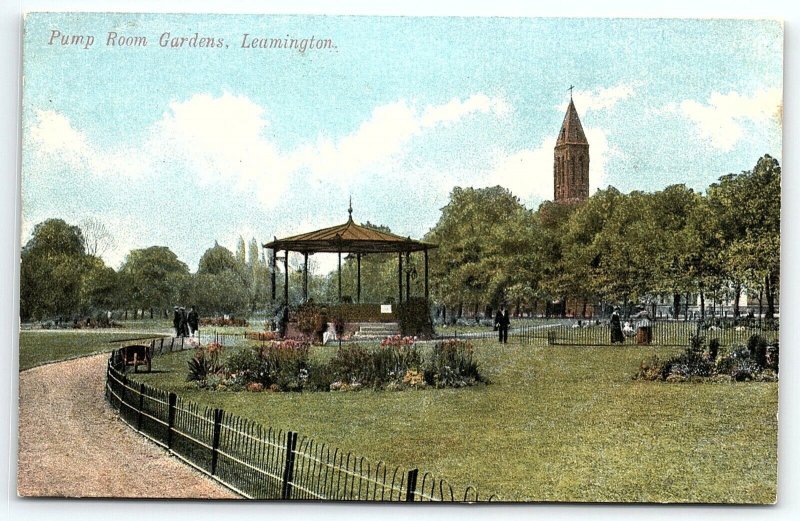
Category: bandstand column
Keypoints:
(286, 278)
(305, 276)
(426, 273)
(358, 278)
(400, 277)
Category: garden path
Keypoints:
(72, 444)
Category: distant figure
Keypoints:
(616, 328)
(627, 329)
(184, 326)
(501, 323)
(194, 321)
(176, 321)
(644, 331)
(284, 321)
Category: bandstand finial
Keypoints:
(350, 208)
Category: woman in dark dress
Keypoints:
(616, 328)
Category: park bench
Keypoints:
(136, 355)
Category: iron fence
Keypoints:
(259, 462)
(665, 333)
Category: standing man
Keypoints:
(194, 321)
(184, 325)
(176, 321)
(501, 323)
(616, 328)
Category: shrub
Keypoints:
(244, 364)
(414, 318)
(713, 349)
(352, 363)
(311, 319)
(452, 365)
(772, 357)
(396, 356)
(205, 362)
(284, 364)
(650, 369)
(688, 363)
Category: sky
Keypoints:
(184, 146)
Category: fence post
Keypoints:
(411, 484)
(173, 400)
(215, 441)
(141, 406)
(288, 471)
(122, 394)
(161, 348)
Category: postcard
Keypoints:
(400, 259)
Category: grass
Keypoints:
(42, 347)
(555, 424)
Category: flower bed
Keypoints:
(397, 363)
(757, 361)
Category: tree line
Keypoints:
(611, 248)
(63, 277)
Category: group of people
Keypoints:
(185, 324)
(644, 332)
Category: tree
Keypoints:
(97, 237)
(476, 231)
(747, 206)
(154, 277)
(52, 265)
(99, 286)
(216, 260)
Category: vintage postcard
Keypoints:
(354, 258)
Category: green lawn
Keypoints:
(41, 347)
(555, 424)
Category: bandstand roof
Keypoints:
(349, 238)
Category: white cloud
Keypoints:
(721, 120)
(599, 99)
(222, 140)
(54, 135)
(55, 138)
(385, 134)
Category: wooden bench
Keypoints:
(136, 355)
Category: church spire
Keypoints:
(571, 159)
(571, 128)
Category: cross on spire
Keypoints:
(570, 91)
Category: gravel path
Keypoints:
(72, 444)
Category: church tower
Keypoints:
(571, 160)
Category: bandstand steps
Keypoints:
(378, 330)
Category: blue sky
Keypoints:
(182, 147)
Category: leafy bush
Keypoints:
(414, 318)
(352, 363)
(205, 362)
(452, 365)
(244, 365)
(284, 365)
(713, 349)
(751, 362)
(311, 319)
